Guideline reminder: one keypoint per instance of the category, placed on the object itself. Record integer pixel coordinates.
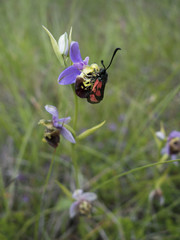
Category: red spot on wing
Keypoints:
(96, 84)
(97, 87)
(93, 98)
(98, 93)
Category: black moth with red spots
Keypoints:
(91, 85)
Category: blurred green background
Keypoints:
(142, 91)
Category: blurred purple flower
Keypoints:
(172, 147)
(121, 117)
(22, 178)
(25, 199)
(68, 76)
(112, 127)
(82, 204)
(55, 119)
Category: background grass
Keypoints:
(142, 90)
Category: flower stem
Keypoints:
(131, 171)
(162, 179)
(73, 156)
(75, 166)
(49, 171)
(40, 223)
(2, 193)
(75, 108)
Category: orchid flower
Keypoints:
(55, 128)
(56, 123)
(172, 147)
(82, 204)
(68, 76)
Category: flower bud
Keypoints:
(63, 44)
(156, 197)
(160, 135)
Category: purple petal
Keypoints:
(52, 110)
(77, 194)
(79, 65)
(165, 150)
(174, 134)
(67, 134)
(89, 196)
(73, 209)
(86, 60)
(64, 120)
(173, 156)
(75, 54)
(68, 76)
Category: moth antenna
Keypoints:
(115, 51)
(102, 62)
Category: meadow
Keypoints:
(137, 192)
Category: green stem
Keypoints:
(2, 193)
(73, 155)
(49, 172)
(75, 166)
(131, 171)
(75, 109)
(40, 221)
(162, 179)
(64, 60)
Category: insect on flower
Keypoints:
(91, 82)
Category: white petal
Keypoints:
(73, 209)
(63, 44)
(77, 194)
(160, 135)
(162, 200)
(89, 196)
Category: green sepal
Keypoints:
(65, 190)
(89, 131)
(55, 46)
(70, 37)
(163, 159)
(160, 142)
(162, 129)
(47, 123)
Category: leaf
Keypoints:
(90, 131)
(55, 46)
(62, 204)
(65, 190)
(70, 36)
